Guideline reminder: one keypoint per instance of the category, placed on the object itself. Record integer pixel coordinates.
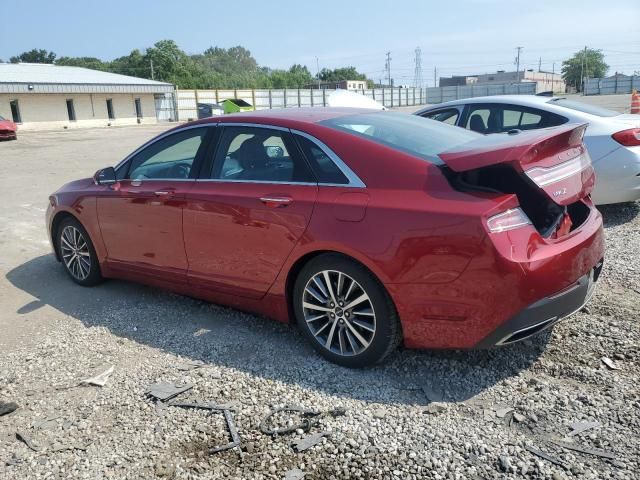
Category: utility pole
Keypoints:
(152, 74)
(540, 64)
(318, 72)
(435, 77)
(417, 77)
(582, 64)
(518, 64)
(387, 67)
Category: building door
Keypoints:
(15, 111)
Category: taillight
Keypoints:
(543, 176)
(628, 138)
(508, 220)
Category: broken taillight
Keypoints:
(508, 220)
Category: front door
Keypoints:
(242, 219)
(140, 216)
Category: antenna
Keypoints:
(417, 77)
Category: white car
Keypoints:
(612, 139)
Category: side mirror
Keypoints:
(106, 176)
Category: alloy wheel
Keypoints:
(339, 313)
(75, 252)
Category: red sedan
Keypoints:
(8, 129)
(366, 228)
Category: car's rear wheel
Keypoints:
(77, 253)
(345, 312)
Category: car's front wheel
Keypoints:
(345, 312)
(77, 253)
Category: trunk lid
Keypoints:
(553, 159)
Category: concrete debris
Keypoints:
(191, 365)
(45, 423)
(579, 427)
(518, 417)
(294, 474)
(27, 441)
(166, 391)
(502, 412)
(99, 380)
(435, 407)
(609, 363)
(305, 443)
(7, 407)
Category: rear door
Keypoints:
(247, 211)
(140, 216)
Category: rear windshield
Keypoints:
(422, 137)
(583, 107)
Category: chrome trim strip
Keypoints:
(224, 180)
(160, 137)
(548, 321)
(252, 125)
(354, 180)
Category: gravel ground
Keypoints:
(441, 415)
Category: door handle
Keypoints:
(163, 193)
(276, 202)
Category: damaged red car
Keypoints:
(367, 229)
(8, 129)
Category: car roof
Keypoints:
(517, 99)
(287, 117)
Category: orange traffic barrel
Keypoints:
(635, 102)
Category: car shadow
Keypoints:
(220, 336)
(619, 213)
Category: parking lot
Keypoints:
(483, 414)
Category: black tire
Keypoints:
(350, 325)
(86, 271)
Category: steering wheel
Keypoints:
(180, 170)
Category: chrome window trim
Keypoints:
(354, 180)
(224, 180)
(161, 137)
(253, 125)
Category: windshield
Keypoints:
(583, 107)
(415, 135)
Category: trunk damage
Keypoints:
(548, 170)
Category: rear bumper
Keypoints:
(544, 313)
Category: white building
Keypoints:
(44, 96)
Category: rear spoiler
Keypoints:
(543, 147)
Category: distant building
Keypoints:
(42, 96)
(545, 81)
(342, 84)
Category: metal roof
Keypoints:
(48, 78)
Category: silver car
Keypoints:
(613, 139)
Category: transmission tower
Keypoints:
(387, 68)
(417, 76)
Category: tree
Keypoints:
(339, 74)
(34, 56)
(587, 63)
(86, 62)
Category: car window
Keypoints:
(406, 133)
(449, 116)
(1, 118)
(480, 119)
(325, 169)
(258, 154)
(170, 158)
(510, 118)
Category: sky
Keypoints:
(455, 37)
